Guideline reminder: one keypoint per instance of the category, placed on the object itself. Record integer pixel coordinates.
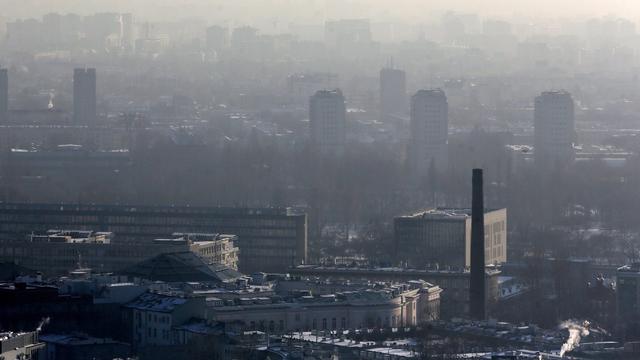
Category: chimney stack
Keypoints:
(477, 276)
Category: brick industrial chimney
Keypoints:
(477, 278)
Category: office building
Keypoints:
(269, 239)
(628, 299)
(84, 96)
(327, 116)
(393, 93)
(21, 345)
(4, 96)
(127, 32)
(442, 237)
(216, 38)
(58, 252)
(429, 131)
(554, 129)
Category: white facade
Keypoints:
(429, 130)
(393, 93)
(407, 306)
(327, 116)
(554, 128)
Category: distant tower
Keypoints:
(554, 128)
(216, 38)
(84, 97)
(327, 115)
(4, 96)
(429, 130)
(477, 295)
(393, 93)
(126, 32)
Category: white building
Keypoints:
(393, 93)
(554, 124)
(327, 116)
(396, 305)
(429, 130)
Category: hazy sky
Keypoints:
(318, 10)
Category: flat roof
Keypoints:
(442, 212)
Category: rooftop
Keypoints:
(312, 268)
(156, 302)
(146, 210)
(75, 339)
(181, 266)
(444, 213)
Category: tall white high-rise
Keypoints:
(429, 130)
(84, 96)
(327, 115)
(554, 124)
(393, 93)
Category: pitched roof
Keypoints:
(181, 267)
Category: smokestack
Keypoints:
(477, 276)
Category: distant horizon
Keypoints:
(243, 12)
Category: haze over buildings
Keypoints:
(319, 178)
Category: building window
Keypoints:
(324, 324)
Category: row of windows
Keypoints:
(141, 220)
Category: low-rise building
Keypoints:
(153, 317)
(81, 347)
(213, 248)
(355, 307)
(56, 252)
(454, 283)
(21, 345)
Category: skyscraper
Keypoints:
(216, 38)
(393, 93)
(4, 95)
(554, 125)
(84, 96)
(429, 130)
(327, 115)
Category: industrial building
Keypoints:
(442, 237)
